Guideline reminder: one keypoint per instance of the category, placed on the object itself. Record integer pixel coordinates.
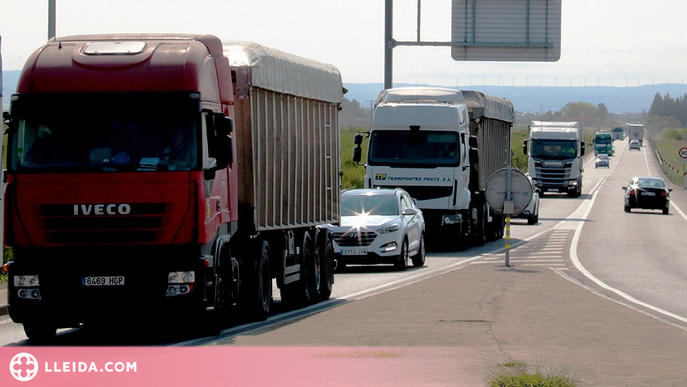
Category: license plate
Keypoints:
(553, 189)
(648, 193)
(116, 280)
(354, 252)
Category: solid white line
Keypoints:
(586, 273)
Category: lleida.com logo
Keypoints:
(24, 367)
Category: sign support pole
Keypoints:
(508, 210)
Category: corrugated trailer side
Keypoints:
(287, 138)
(491, 120)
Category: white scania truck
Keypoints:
(441, 145)
(555, 151)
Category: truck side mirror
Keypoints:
(582, 144)
(358, 139)
(357, 153)
(474, 156)
(223, 124)
(524, 147)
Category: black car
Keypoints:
(647, 193)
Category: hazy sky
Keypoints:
(604, 42)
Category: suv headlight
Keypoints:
(389, 229)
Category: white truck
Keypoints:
(635, 132)
(441, 145)
(555, 151)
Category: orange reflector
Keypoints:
(4, 267)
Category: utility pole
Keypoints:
(51, 19)
(388, 44)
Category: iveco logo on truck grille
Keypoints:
(102, 209)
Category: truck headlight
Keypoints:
(181, 277)
(26, 281)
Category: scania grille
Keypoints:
(553, 175)
(348, 239)
(141, 224)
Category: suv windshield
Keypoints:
(103, 132)
(354, 205)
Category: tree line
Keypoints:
(667, 112)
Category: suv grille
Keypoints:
(353, 238)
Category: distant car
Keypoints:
(602, 160)
(531, 212)
(379, 226)
(647, 193)
(634, 144)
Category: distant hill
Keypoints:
(535, 99)
(9, 85)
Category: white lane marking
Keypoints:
(585, 208)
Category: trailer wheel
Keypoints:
(40, 332)
(258, 295)
(327, 266)
(301, 292)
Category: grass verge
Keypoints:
(519, 374)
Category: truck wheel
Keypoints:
(39, 332)
(258, 294)
(228, 284)
(402, 263)
(419, 258)
(327, 266)
(315, 277)
(301, 292)
(479, 235)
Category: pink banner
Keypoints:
(233, 366)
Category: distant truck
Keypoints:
(169, 173)
(555, 151)
(617, 133)
(635, 132)
(603, 143)
(441, 145)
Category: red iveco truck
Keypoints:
(154, 172)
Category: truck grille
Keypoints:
(553, 176)
(427, 192)
(352, 238)
(140, 225)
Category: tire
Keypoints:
(402, 263)
(666, 211)
(626, 208)
(315, 277)
(531, 220)
(39, 332)
(300, 293)
(419, 258)
(258, 299)
(479, 236)
(227, 288)
(327, 267)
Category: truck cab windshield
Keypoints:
(422, 149)
(553, 149)
(112, 135)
